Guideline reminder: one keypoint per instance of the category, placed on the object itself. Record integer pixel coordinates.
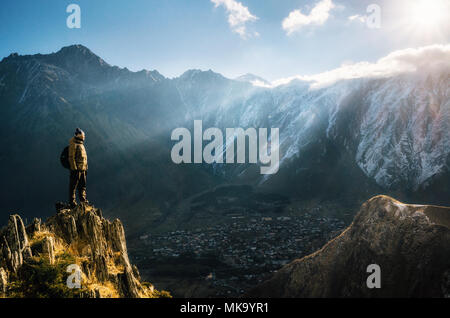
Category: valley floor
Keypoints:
(227, 259)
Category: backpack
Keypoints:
(64, 158)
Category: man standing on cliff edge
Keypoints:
(78, 168)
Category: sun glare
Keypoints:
(428, 13)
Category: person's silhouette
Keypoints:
(78, 168)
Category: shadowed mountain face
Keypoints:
(344, 142)
(410, 243)
(126, 116)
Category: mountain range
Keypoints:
(345, 141)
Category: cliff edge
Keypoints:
(37, 260)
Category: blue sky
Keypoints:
(173, 36)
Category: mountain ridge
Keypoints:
(408, 242)
(386, 135)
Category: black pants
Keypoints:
(77, 182)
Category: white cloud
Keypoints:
(357, 17)
(319, 15)
(433, 57)
(238, 16)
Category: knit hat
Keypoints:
(78, 131)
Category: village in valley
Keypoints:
(240, 253)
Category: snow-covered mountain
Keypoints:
(396, 128)
(347, 137)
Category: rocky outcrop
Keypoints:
(106, 246)
(97, 246)
(14, 243)
(3, 281)
(409, 243)
(34, 227)
(48, 248)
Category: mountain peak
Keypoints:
(201, 75)
(71, 55)
(78, 53)
(75, 48)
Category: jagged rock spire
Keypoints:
(96, 244)
(14, 245)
